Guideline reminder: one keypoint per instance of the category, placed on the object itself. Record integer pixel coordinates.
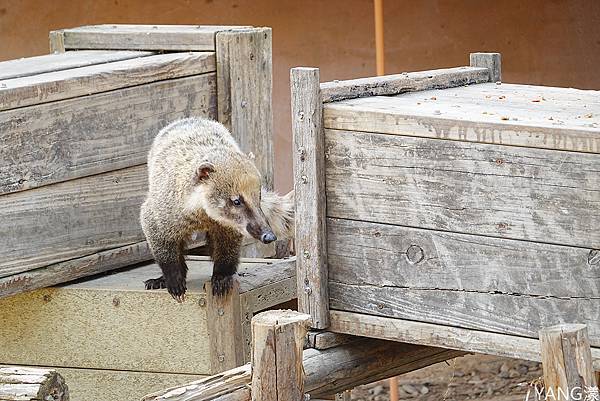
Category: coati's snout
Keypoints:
(263, 234)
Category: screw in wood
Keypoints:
(306, 254)
(116, 301)
(202, 302)
(304, 179)
(307, 290)
(221, 358)
(594, 257)
(220, 312)
(301, 116)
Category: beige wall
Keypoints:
(546, 42)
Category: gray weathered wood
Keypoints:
(57, 41)
(32, 66)
(386, 255)
(508, 114)
(245, 85)
(327, 372)
(401, 83)
(567, 362)
(18, 383)
(144, 37)
(83, 81)
(309, 184)
(224, 322)
(457, 338)
(499, 313)
(277, 341)
(327, 339)
(71, 219)
(493, 190)
(73, 138)
(491, 61)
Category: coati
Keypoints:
(199, 180)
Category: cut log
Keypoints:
(19, 383)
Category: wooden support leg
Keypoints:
(20, 383)
(567, 362)
(278, 339)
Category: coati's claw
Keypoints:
(221, 284)
(177, 290)
(155, 283)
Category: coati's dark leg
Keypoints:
(224, 245)
(169, 256)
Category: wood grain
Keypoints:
(73, 138)
(387, 85)
(31, 66)
(491, 61)
(19, 383)
(387, 255)
(309, 184)
(457, 338)
(71, 219)
(493, 190)
(83, 81)
(245, 85)
(507, 114)
(144, 37)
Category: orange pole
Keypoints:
(379, 50)
(394, 388)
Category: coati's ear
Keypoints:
(204, 171)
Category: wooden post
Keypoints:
(491, 61)
(245, 86)
(278, 340)
(224, 323)
(567, 362)
(19, 383)
(309, 183)
(57, 41)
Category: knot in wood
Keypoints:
(414, 254)
(594, 257)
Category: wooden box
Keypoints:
(448, 209)
(76, 126)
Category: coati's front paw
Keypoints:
(221, 284)
(177, 288)
(155, 283)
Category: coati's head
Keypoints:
(229, 193)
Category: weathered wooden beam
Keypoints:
(567, 362)
(401, 83)
(309, 183)
(277, 372)
(327, 372)
(18, 383)
(327, 339)
(245, 86)
(491, 61)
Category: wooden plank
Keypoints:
(71, 219)
(386, 255)
(224, 321)
(59, 141)
(31, 384)
(53, 86)
(99, 329)
(434, 335)
(507, 114)
(25, 67)
(245, 85)
(491, 61)
(309, 185)
(57, 41)
(498, 313)
(327, 339)
(144, 37)
(387, 85)
(493, 190)
(567, 362)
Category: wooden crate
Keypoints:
(111, 339)
(76, 126)
(448, 209)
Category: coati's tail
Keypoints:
(279, 211)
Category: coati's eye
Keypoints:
(236, 201)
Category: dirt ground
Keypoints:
(472, 377)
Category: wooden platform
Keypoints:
(108, 331)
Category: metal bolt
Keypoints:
(220, 312)
(306, 254)
(202, 302)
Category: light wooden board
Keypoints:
(387, 255)
(59, 141)
(440, 336)
(520, 115)
(387, 85)
(499, 313)
(59, 85)
(143, 37)
(245, 85)
(494, 190)
(24, 67)
(71, 219)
